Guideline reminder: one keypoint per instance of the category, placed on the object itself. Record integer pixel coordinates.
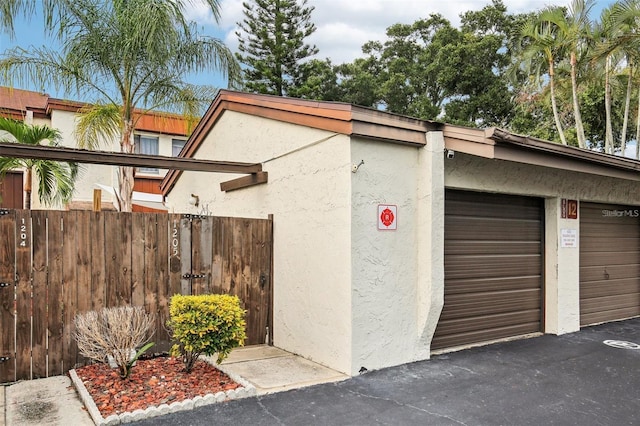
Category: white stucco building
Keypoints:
(493, 235)
(155, 134)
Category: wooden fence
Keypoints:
(55, 264)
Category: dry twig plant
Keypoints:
(114, 332)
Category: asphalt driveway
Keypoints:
(573, 379)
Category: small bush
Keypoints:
(114, 332)
(205, 325)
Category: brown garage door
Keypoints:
(609, 262)
(493, 268)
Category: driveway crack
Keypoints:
(400, 404)
(266, 410)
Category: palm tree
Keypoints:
(538, 40)
(126, 57)
(572, 30)
(56, 180)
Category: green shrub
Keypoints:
(205, 325)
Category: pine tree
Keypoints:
(272, 45)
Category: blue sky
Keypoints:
(342, 26)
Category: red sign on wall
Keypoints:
(387, 217)
(569, 209)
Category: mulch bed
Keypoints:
(152, 382)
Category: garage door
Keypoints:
(493, 268)
(609, 263)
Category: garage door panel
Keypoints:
(461, 247)
(460, 228)
(613, 258)
(467, 338)
(603, 288)
(599, 273)
(493, 268)
(610, 244)
(590, 318)
(609, 302)
(622, 232)
(465, 325)
(609, 263)
(493, 284)
(500, 303)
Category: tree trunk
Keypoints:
(582, 143)
(627, 107)
(27, 189)
(554, 106)
(126, 174)
(608, 134)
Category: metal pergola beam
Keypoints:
(15, 150)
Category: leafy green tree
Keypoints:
(572, 33)
(272, 46)
(539, 47)
(126, 56)
(55, 180)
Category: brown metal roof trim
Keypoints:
(335, 117)
(499, 144)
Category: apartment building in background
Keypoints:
(156, 133)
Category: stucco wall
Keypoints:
(309, 195)
(397, 275)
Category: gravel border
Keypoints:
(246, 390)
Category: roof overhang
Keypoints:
(499, 144)
(337, 117)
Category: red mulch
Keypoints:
(151, 382)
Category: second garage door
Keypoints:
(493, 268)
(609, 263)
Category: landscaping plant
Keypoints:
(115, 332)
(205, 325)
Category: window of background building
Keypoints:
(147, 145)
(176, 146)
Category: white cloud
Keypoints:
(343, 26)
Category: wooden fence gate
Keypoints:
(54, 264)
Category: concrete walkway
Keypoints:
(54, 401)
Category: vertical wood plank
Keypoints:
(260, 272)
(39, 286)
(99, 260)
(270, 234)
(228, 281)
(23, 295)
(84, 260)
(54, 288)
(138, 258)
(201, 246)
(124, 277)
(175, 254)
(163, 229)
(149, 283)
(216, 255)
(70, 254)
(7, 296)
(185, 255)
(111, 257)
